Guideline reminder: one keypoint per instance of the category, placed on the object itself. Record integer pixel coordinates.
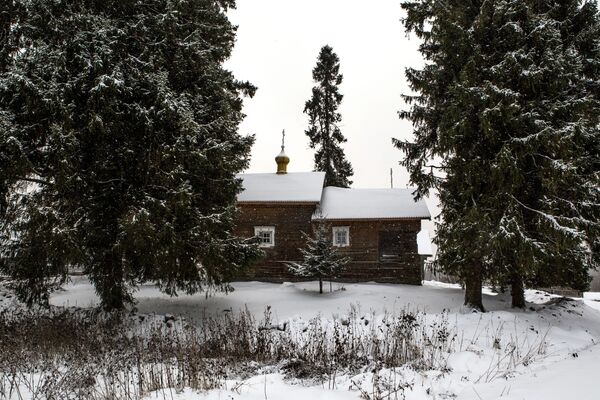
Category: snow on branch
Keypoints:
(554, 222)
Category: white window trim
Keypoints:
(271, 229)
(337, 229)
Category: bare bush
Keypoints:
(83, 354)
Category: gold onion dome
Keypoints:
(282, 159)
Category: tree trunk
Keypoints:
(473, 282)
(517, 292)
(111, 288)
(320, 285)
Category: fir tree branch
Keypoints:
(34, 180)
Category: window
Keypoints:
(341, 236)
(265, 235)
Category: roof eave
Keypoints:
(419, 218)
(278, 202)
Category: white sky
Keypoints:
(277, 46)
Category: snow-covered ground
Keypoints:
(289, 300)
(549, 351)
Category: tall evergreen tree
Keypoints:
(445, 48)
(323, 130)
(509, 103)
(119, 145)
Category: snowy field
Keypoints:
(549, 351)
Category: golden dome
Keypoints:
(282, 159)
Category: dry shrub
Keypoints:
(87, 354)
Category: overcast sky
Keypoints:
(277, 46)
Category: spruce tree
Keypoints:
(543, 107)
(321, 259)
(119, 146)
(509, 104)
(324, 119)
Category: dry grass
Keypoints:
(79, 354)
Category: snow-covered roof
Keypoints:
(424, 243)
(340, 203)
(293, 187)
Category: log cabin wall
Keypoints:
(381, 250)
(289, 220)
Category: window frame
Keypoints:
(271, 230)
(337, 229)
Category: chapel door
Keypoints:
(389, 246)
